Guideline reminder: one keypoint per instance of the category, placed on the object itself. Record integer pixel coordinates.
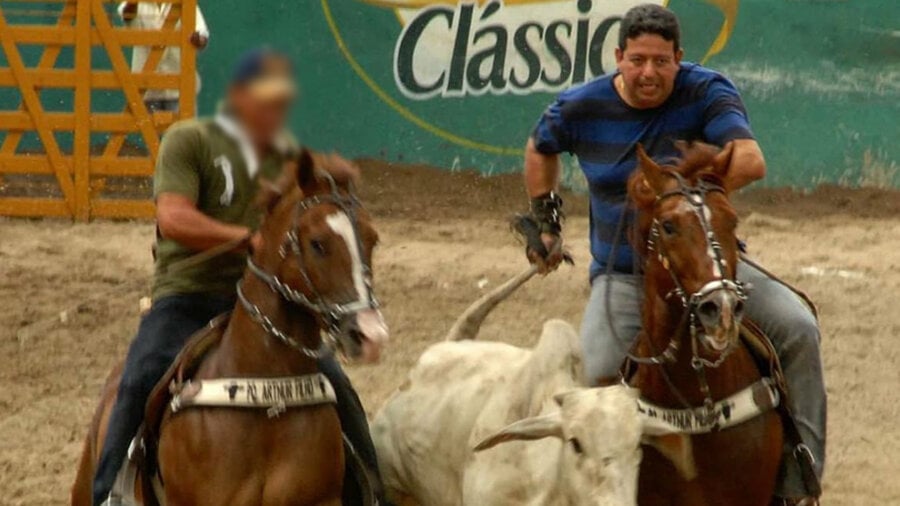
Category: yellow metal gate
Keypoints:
(81, 161)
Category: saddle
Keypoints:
(763, 353)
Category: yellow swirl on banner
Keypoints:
(397, 106)
(729, 10)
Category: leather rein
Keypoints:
(329, 313)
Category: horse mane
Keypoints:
(344, 172)
(696, 162)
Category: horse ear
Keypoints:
(651, 171)
(721, 163)
(683, 146)
(537, 427)
(647, 182)
(306, 170)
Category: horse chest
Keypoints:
(251, 458)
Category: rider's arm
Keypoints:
(200, 37)
(551, 136)
(541, 171)
(747, 164)
(727, 121)
(176, 187)
(179, 219)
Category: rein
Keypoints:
(331, 314)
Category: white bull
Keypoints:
(490, 424)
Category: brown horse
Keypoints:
(310, 276)
(690, 353)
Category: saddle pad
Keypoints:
(274, 394)
(749, 403)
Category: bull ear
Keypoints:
(722, 161)
(560, 398)
(678, 449)
(537, 427)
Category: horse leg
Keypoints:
(83, 488)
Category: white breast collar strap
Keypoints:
(747, 404)
(275, 395)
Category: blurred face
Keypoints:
(262, 119)
(648, 66)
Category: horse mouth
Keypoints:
(363, 336)
(720, 340)
(717, 345)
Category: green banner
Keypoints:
(460, 85)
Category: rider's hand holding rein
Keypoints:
(541, 181)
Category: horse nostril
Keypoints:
(708, 310)
(739, 309)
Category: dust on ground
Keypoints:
(444, 236)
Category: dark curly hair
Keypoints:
(650, 18)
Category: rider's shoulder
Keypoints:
(696, 75)
(598, 88)
(186, 127)
(188, 130)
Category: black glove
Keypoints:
(526, 226)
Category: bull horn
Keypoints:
(467, 325)
(529, 429)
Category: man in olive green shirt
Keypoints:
(205, 185)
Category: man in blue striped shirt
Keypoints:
(655, 99)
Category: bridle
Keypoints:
(330, 314)
(696, 196)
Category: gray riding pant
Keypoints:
(777, 310)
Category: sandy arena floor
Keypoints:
(438, 249)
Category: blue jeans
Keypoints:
(778, 311)
(161, 335)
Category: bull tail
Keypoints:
(467, 325)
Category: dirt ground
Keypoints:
(69, 306)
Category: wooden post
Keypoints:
(188, 90)
(82, 150)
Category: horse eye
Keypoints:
(668, 227)
(576, 445)
(318, 247)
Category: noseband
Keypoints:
(330, 313)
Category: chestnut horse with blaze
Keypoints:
(283, 444)
(690, 356)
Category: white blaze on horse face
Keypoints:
(717, 269)
(371, 322)
(341, 225)
(704, 213)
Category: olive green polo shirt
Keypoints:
(211, 162)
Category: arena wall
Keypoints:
(821, 78)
